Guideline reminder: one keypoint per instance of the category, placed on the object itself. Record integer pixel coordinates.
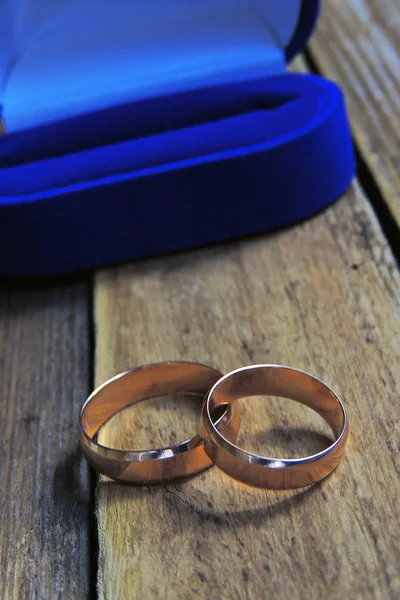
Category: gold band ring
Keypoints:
(151, 381)
(266, 472)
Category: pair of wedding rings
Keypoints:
(219, 425)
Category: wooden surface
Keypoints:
(323, 296)
(44, 497)
(357, 44)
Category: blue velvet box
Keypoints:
(137, 128)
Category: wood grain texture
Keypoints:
(357, 43)
(44, 497)
(322, 296)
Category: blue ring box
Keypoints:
(210, 142)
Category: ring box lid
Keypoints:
(61, 59)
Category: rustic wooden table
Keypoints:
(323, 296)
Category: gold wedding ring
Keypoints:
(151, 381)
(215, 442)
(260, 471)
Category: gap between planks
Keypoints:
(357, 44)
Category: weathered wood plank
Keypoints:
(44, 497)
(323, 296)
(357, 43)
